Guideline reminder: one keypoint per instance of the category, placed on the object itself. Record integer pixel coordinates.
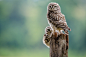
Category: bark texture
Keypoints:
(59, 45)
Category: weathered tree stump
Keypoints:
(59, 45)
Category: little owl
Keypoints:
(56, 19)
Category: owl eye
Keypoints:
(55, 6)
(50, 6)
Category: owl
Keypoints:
(47, 36)
(56, 19)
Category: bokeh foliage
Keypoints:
(22, 24)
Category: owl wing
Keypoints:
(61, 23)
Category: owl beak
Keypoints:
(51, 8)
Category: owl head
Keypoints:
(53, 7)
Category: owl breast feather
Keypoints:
(53, 16)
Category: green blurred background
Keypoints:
(22, 25)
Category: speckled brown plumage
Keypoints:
(47, 36)
(56, 19)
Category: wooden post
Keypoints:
(59, 45)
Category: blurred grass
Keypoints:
(24, 52)
(16, 52)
